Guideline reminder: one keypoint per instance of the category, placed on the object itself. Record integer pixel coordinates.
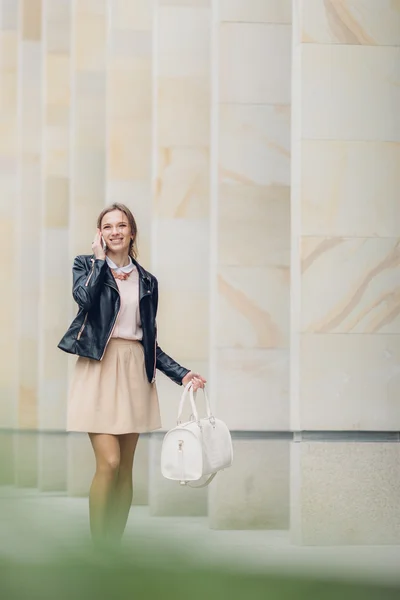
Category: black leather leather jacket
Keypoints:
(96, 293)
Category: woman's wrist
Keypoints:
(100, 257)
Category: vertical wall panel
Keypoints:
(181, 202)
(55, 288)
(29, 204)
(129, 113)
(89, 28)
(345, 297)
(8, 228)
(88, 136)
(181, 211)
(250, 250)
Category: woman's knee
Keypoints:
(107, 453)
(109, 464)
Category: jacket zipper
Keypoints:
(112, 331)
(155, 348)
(155, 360)
(83, 327)
(87, 314)
(91, 273)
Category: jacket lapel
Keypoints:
(109, 279)
(144, 282)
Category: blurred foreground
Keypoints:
(45, 553)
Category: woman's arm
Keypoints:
(170, 367)
(87, 283)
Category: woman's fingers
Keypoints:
(97, 246)
(195, 379)
(199, 377)
(198, 382)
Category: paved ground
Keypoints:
(33, 524)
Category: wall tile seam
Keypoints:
(274, 23)
(283, 349)
(272, 104)
(346, 236)
(349, 140)
(349, 333)
(341, 45)
(261, 265)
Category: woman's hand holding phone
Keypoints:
(99, 247)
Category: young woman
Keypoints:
(113, 396)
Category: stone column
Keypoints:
(9, 313)
(29, 235)
(89, 29)
(345, 347)
(129, 142)
(180, 252)
(250, 258)
(55, 275)
(112, 134)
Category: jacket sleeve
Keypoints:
(165, 363)
(170, 367)
(87, 283)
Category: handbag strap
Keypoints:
(207, 401)
(205, 484)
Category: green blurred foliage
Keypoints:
(46, 554)
(114, 578)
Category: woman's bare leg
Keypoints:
(107, 452)
(123, 490)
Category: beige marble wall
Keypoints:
(250, 254)
(55, 223)
(29, 205)
(129, 113)
(346, 298)
(88, 172)
(181, 209)
(351, 22)
(345, 341)
(99, 121)
(181, 212)
(29, 228)
(88, 127)
(9, 215)
(250, 249)
(112, 156)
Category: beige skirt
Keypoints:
(113, 395)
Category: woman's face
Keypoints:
(116, 231)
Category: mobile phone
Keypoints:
(103, 244)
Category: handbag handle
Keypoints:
(207, 401)
(192, 402)
(192, 398)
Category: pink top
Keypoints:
(128, 325)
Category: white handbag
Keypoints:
(196, 448)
